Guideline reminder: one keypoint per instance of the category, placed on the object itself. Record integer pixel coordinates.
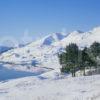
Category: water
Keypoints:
(6, 74)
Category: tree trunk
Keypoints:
(74, 72)
(84, 72)
(91, 71)
(96, 68)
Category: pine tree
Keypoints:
(87, 61)
(95, 50)
(72, 59)
(63, 61)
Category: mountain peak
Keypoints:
(78, 32)
(48, 40)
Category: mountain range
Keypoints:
(43, 52)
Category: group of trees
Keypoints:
(75, 59)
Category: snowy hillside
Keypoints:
(43, 53)
(47, 83)
(34, 88)
(40, 53)
(81, 38)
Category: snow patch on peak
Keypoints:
(77, 32)
(59, 36)
(48, 40)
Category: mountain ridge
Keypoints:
(45, 50)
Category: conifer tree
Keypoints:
(72, 59)
(95, 50)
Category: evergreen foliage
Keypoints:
(74, 59)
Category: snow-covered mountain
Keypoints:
(50, 39)
(43, 53)
(81, 38)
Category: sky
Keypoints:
(38, 18)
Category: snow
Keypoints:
(40, 57)
(52, 38)
(67, 88)
(45, 51)
(38, 51)
(54, 74)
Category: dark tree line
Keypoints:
(75, 59)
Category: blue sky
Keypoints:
(41, 17)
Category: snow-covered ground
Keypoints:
(39, 88)
(41, 58)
